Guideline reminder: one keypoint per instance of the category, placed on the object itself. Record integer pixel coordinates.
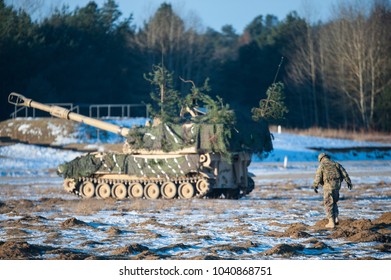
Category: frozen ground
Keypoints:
(282, 218)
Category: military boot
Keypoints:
(331, 223)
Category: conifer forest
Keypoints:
(335, 74)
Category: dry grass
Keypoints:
(373, 136)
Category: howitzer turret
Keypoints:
(163, 160)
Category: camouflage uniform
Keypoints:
(330, 175)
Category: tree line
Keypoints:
(335, 74)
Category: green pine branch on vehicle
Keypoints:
(273, 107)
(167, 108)
(216, 111)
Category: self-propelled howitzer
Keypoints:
(162, 160)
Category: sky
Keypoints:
(217, 13)
(214, 13)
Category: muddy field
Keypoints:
(281, 219)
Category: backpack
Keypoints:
(331, 171)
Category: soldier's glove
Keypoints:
(316, 189)
(350, 186)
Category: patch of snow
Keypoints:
(62, 138)
(300, 148)
(24, 128)
(23, 159)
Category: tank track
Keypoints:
(104, 188)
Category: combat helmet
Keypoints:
(322, 155)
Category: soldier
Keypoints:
(330, 175)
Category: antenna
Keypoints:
(278, 69)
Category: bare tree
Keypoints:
(321, 78)
(303, 69)
(348, 56)
(355, 43)
(378, 32)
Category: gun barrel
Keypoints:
(62, 113)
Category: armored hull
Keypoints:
(167, 161)
(156, 176)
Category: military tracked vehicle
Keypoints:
(162, 160)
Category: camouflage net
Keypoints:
(82, 166)
(114, 163)
(205, 138)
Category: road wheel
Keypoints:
(186, 191)
(87, 189)
(103, 191)
(169, 190)
(136, 190)
(119, 191)
(151, 191)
